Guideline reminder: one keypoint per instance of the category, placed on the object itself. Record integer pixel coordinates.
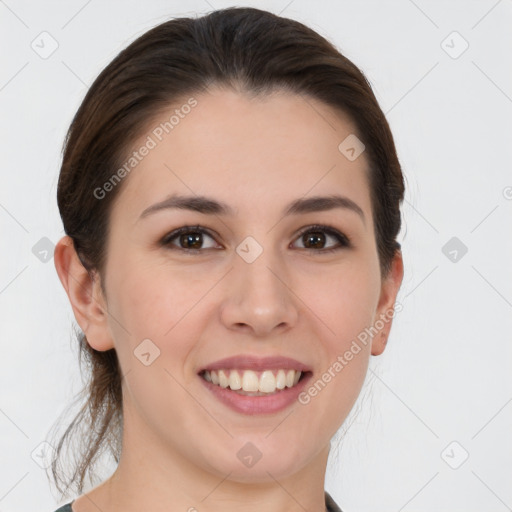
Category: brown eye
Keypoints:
(189, 238)
(315, 238)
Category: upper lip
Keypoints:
(249, 362)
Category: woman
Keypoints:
(230, 193)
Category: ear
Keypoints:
(85, 295)
(386, 307)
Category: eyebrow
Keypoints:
(209, 206)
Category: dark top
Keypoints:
(66, 507)
(330, 505)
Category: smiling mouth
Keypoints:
(254, 383)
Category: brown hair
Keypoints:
(250, 50)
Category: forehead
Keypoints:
(248, 152)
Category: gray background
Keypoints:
(442, 390)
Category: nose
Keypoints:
(259, 297)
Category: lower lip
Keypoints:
(252, 405)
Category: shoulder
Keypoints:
(65, 508)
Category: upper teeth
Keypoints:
(249, 380)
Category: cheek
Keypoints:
(345, 307)
(153, 301)
(344, 301)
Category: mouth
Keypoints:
(260, 392)
(249, 382)
(252, 385)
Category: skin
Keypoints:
(179, 443)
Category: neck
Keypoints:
(151, 476)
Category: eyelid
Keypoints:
(343, 240)
(166, 240)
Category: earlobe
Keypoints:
(386, 307)
(84, 294)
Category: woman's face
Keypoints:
(254, 285)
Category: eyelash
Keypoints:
(343, 240)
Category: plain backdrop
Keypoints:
(432, 428)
